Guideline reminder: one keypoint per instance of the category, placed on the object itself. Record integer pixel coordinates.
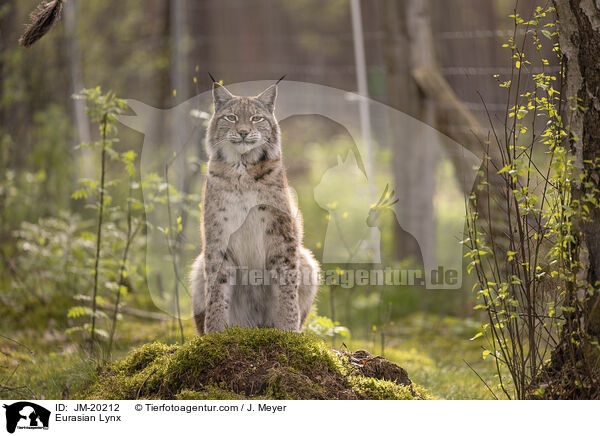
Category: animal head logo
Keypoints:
(26, 415)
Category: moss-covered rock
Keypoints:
(246, 363)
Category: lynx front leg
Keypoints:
(217, 307)
(287, 316)
(288, 310)
(218, 288)
(283, 260)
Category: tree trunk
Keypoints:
(81, 119)
(579, 26)
(579, 33)
(414, 186)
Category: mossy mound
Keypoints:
(243, 363)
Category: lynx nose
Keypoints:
(243, 133)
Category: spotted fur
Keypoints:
(249, 221)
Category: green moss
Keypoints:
(371, 388)
(242, 363)
(288, 384)
(210, 392)
(141, 357)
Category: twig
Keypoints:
(99, 231)
(482, 380)
(18, 388)
(130, 237)
(138, 312)
(18, 343)
(12, 373)
(173, 253)
(137, 396)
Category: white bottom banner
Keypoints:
(296, 417)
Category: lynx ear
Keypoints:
(267, 97)
(220, 95)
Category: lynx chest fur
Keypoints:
(250, 224)
(251, 204)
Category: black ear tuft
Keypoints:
(220, 95)
(267, 97)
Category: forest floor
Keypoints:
(432, 349)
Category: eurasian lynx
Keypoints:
(249, 223)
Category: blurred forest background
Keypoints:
(434, 60)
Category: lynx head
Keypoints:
(243, 129)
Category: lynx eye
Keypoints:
(257, 118)
(231, 118)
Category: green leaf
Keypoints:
(478, 335)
